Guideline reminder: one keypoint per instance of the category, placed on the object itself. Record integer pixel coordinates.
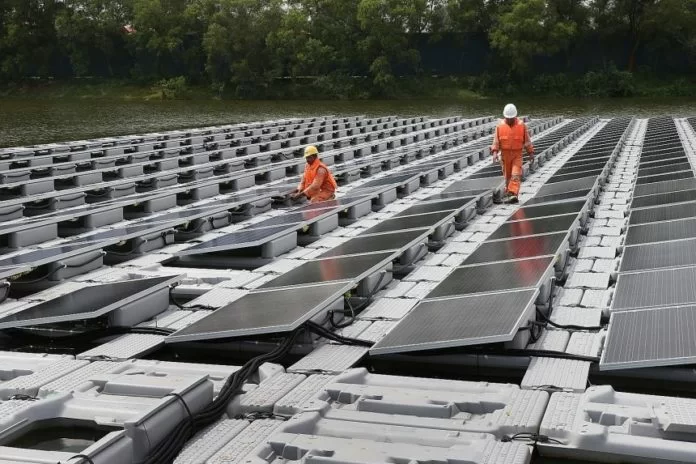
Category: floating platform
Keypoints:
(165, 300)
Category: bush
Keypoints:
(609, 83)
(171, 89)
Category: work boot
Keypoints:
(512, 200)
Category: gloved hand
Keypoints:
(496, 155)
(295, 195)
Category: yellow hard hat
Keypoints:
(310, 150)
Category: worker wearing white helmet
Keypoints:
(318, 184)
(511, 136)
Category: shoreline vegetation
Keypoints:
(347, 49)
(607, 84)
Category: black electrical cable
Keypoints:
(42, 278)
(170, 447)
(568, 326)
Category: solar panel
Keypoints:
(475, 184)
(583, 183)
(459, 321)
(661, 231)
(665, 177)
(518, 248)
(658, 255)
(294, 218)
(409, 222)
(380, 242)
(494, 277)
(558, 197)
(668, 213)
(663, 199)
(122, 233)
(645, 164)
(238, 239)
(645, 157)
(649, 289)
(435, 206)
(353, 267)
(555, 209)
(665, 186)
(650, 338)
(44, 255)
(337, 203)
(86, 303)
(264, 312)
(561, 178)
(644, 172)
(534, 226)
(598, 166)
(459, 194)
(180, 215)
(389, 180)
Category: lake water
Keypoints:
(30, 121)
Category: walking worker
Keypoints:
(510, 137)
(318, 184)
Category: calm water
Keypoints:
(24, 122)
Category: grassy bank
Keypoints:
(605, 84)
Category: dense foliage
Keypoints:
(350, 47)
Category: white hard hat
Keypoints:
(510, 111)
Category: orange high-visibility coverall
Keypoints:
(318, 184)
(510, 140)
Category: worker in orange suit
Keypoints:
(318, 184)
(511, 136)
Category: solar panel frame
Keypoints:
(495, 277)
(294, 306)
(660, 232)
(452, 322)
(638, 290)
(667, 213)
(547, 210)
(583, 183)
(157, 283)
(362, 244)
(686, 174)
(686, 183)
(417, 221)
(661, 255)
(367, 264)
(537, 226)
(558, 198)
(669, 331)
(487, 251)
(663, 199)
(454, 204)
(662, 169)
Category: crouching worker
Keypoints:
(318, 184)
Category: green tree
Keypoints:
(86, 27)
(27, 38)
(388, 25)
(530, 28)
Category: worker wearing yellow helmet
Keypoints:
(318, 184)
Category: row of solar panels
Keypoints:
(77, 149)
(159, 173)
(250, 155)
(341, 267)
(154, 233)
(98, 300)
(191, 188)
(404, 180)
(395, 157)
(652, 319)
(496, 289)
(157, 148)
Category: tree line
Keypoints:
(247, 47)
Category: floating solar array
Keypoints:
(655, 287)
(109, 235)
